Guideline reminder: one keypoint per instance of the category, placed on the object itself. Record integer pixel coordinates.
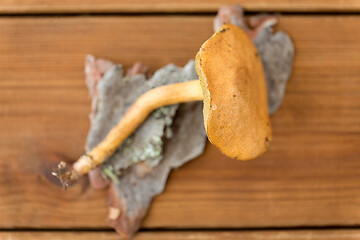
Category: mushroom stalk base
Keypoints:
(136, 114)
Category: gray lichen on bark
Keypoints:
(116, 94)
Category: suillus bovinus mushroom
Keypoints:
(233, 89)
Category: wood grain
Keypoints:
(309, 177)
(193, 235)
(124, 6)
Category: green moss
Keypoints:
(108, 171)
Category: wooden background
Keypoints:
(307, 186)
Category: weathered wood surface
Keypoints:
(191, 235)
(309, 177)
(121, 6)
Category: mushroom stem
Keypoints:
(136, 114)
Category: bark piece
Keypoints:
(140, 167)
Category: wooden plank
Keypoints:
(116, 6)
(191, 235)
(310, 175)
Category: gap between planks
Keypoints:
(188, 235)
(170, 6)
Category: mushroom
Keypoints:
(233, 89)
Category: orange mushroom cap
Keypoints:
(236, 115)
